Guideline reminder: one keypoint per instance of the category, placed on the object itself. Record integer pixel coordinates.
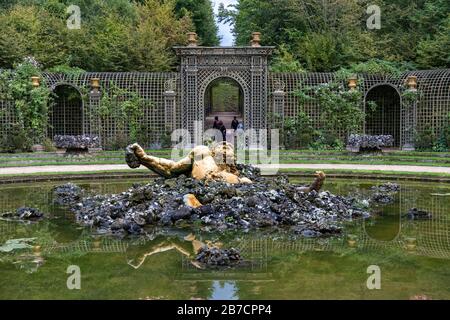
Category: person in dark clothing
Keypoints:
(216, 121)
(221, 127)
(234, 124)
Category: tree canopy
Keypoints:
(138, 35)
(325, 35)
(115, 35)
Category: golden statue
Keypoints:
(215, 163)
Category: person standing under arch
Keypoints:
(234, 123)
(216, 123)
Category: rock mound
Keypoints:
(274, 203)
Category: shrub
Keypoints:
(117, 142)
(425, 139)
(443, 142)
(30, 104)
(48, 145)
(341, 112)
(165, 140)
(16, 141)
(297, 132)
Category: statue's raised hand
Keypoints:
(130, 157)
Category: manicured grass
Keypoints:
(286, 156)
(106, 162)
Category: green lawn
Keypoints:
(286, 156)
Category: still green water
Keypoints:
(413, 256)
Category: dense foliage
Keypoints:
(324, 35)
(427, 140)
(115, 35)
(30, 106)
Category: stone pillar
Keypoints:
(91, 120)
(409, 116)
(170, 110)
(409, 125)
(190, 101)
(278, 104)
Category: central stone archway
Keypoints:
(244, 95)
(200, 66)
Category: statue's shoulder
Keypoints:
(201, 150)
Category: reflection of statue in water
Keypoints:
(203, 163)
(215, 163)
(190, 247)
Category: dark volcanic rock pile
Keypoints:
(24, 213)
(368, 142)
(76, 142)
(384, 193)
(416, 214)
(218, 257)
(265, 203)
(67, 194)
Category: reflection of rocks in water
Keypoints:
(416, 214)
(387, 187)
(24, 213)
(384, 193)
(67, 194)
(265, 203)
(213, 256)
(382, 198)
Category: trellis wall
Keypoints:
(433, 106)
(289, 83)
(151, 88)
(263, 93)
(7, 118)
(430, 110)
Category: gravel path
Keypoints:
(325, 167)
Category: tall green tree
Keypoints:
(158, 29)
(325, 35)
(202, 14)
(115, 35)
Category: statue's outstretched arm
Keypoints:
(164, 167)
(316, 185)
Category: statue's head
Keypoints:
(223, 153)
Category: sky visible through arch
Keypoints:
(227, 37)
